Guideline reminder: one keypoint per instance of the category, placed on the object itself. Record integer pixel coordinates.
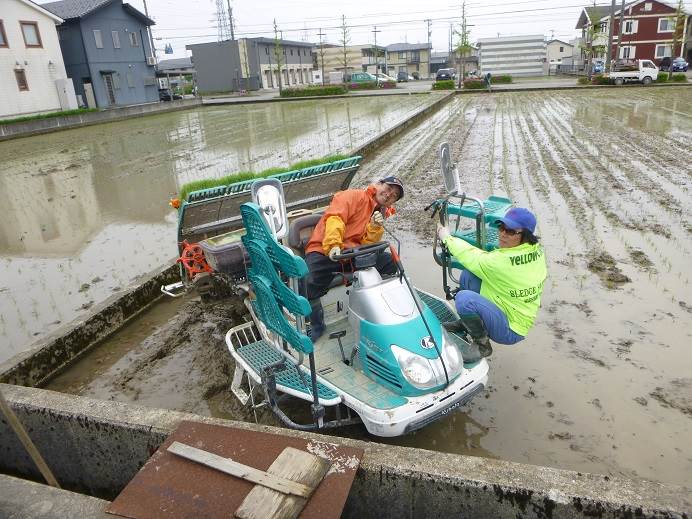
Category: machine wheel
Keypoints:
(646, 80)
(619, 81)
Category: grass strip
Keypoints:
(47, 116)
(197, 185)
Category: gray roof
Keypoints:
(394, 47)
(72, 9)
(175, 63)
(283, 42)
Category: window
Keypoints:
(648, 64)
(664, 51)
(134, 42)
(666, 25)
(647, 6)
(630, 26)
(402, 55)
(3, 36)
(32, 38)
(98, 40)
(116, 39)
(266, 51)
(627, 52)
(20, 76)
(291, 52)
(562, 49)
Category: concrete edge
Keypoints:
(395, 480)
(376, 142)
(53, 353)
(504, 89)
(68, 122)
(212, 101)
(22, 499)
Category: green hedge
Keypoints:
(317, 90)
(502, 78)
(445, 84)
(662, 77)
(680, 77)
(600, 79)
(196, 185)
(474, 84)
(583, 80)
(388, 84)
(47, 116)
(366, 85)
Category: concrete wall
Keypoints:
(28, 128)
(41, 65)
(96, 447)
(217, 64)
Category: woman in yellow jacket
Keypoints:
(353, 218)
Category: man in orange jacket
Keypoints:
(353, 218)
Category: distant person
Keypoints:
(487, 79)
(501, 289)
(354, 217)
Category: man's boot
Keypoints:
(317, 326)
(475, 328)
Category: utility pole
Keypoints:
(620, 30)
(375, 30)
(320, 34)
(151, 37)
(230, 18)
(610, 37)
(429, 21)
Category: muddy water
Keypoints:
(603, 383)
(85, 210)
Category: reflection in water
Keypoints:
(86, 209)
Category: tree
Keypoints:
(463, 46)
(589, 49)
(278, 52)
(678, 35)
(345, 39)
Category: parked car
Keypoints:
(675, 65)
(597, 67)
(166, 95)
(384, 78)
(403, 76)
(362, 77)
(445, 73)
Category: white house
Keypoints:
(32, 71)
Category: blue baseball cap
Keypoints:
(518, 218)
(394, 181)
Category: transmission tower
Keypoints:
(222, 28)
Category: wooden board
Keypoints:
(168, 486)
(292, 464)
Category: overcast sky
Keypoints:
(180, 22)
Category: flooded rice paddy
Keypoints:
(603, 381)
(86, 210)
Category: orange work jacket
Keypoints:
(346, 222)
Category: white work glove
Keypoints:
(442, 232)
(334, 251)
(377, 219)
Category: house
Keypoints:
(513, 55)
(32, 73)
(439, 60)
(359, 58)
(250, 64)
(649, 28)
(107, 51)
(558, 51)
(177, 74)
(413, 58)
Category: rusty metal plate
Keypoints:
(172, 487)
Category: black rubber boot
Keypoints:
(475, 328)
(317, 326)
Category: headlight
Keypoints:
(416, 369)
(451, 355)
